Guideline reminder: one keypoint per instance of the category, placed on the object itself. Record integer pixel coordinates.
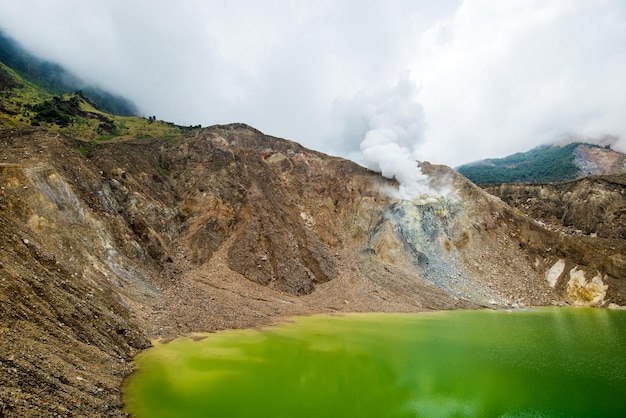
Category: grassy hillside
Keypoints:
(25, 103)
(547, 163)
(55, 79)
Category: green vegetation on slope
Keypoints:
(547, 163)
(24, 103)
(55, 79)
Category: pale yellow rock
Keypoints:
(553, 274)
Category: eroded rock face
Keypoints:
(231, 228)
(67, 296)
(594, 160)
(589, 206)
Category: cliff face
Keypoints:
(597, 161)
(590, 206)
(228, 227)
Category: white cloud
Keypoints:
(488, 77)
(500, 77)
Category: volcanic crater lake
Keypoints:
(548, 362)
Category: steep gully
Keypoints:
(229, 228)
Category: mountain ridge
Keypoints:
(547, 163)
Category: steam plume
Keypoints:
(391, 125)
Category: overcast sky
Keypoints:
(447, 81)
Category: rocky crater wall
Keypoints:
(228, 227)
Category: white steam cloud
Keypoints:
(389, 125)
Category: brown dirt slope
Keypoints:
(227, 227)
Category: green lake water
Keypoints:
(550, 362)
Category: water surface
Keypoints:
(552, 362)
